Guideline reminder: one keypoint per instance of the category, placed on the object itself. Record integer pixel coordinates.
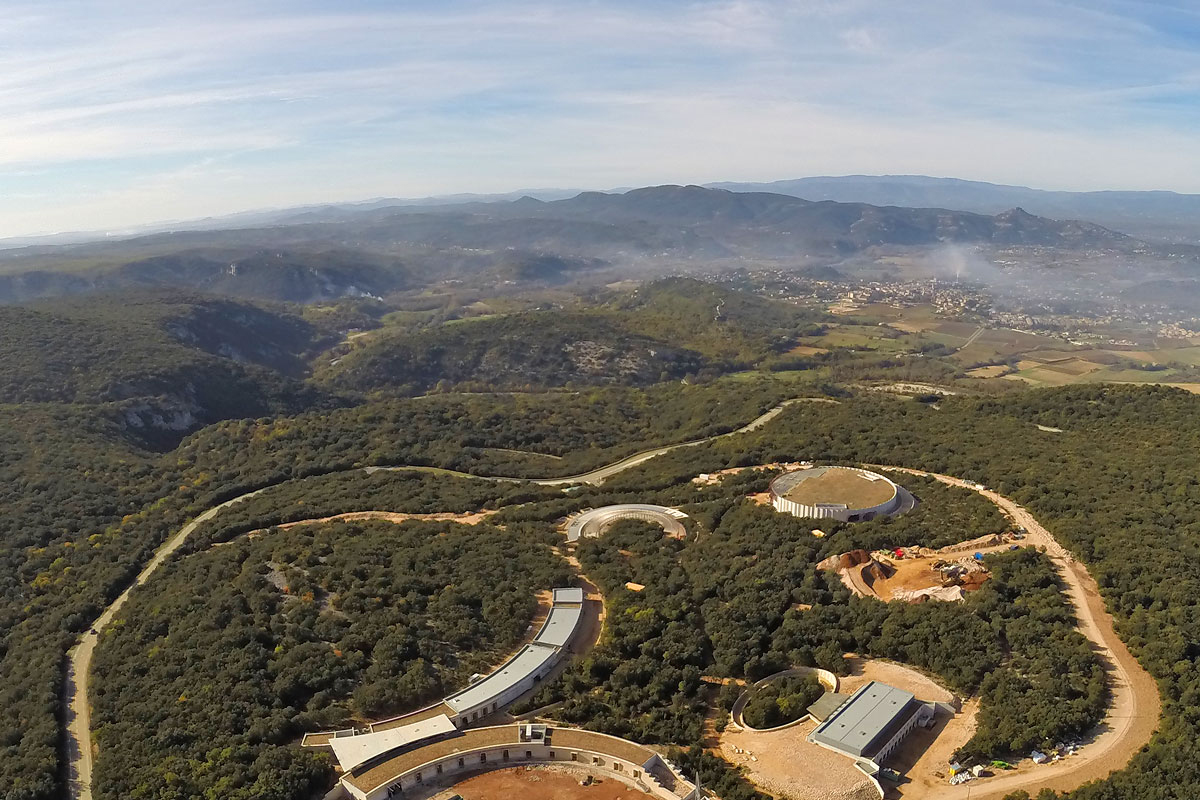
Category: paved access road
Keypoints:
(79, 713)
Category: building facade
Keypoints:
(467, 752)
(886, 496)
(872, 723)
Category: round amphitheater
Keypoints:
(848, 494)
(594, 522)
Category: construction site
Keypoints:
(917, 574)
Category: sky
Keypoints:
(115, 113)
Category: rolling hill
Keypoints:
(378, 250)
(1152, 214)
(158, 365)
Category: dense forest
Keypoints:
(752, 590)
(97, 467)
(1117, 486)
(189, 360)
(86, 504)
(225, 660)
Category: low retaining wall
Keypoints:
(827, 679)
(620, 762)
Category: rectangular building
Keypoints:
(872, 723)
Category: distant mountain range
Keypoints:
(1165, 215)
(1147, 214)
(325, 253)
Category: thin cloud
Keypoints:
(139, 111)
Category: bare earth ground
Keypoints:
(539, 783)
(473, 518)
(1134, 708)
(783, 763)
(863, 671)
(911, 573)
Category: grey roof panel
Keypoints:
(559, 626)
(568, 595)
(856, 727)
(529, 660)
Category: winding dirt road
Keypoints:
(1131, 721)
(78, 709)
(1135, 705)
(79, 663)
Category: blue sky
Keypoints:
(119, 113)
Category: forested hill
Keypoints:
(667, 330)
(162, 365)
(1141, 213)
(84, 507)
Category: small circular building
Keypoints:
(596, 521)
(844, 493)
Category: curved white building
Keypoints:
(516, 676)
(439, 760)
(596, 521)
(848, 494)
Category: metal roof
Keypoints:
(825, 706)
(859, 726)
(568, 595)
(528, 660)
(354, 750)
(559, 626)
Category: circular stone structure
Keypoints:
(597, 520)
(848, 494)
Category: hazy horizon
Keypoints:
(134, 114)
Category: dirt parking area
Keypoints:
(863, 671)
(783, 763)
(540, 783)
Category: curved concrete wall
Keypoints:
(836, 510)
(596, 520)
(441, 770)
